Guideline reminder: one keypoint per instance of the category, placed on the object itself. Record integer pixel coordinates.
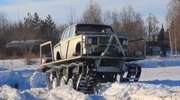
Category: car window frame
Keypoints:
(72, 32)
(65, 34)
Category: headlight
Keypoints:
(91, 40)
(89, 51)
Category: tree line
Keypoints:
(125, 21)
(173, 23)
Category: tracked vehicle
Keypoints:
(86, 55)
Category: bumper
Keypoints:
(108, 69)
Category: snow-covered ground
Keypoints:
(15, 64)
(139, 91)
(161, 71)
(109, 91)
(160, 62)
(160, 80)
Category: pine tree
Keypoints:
(161, 42)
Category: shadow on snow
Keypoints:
(164, 82)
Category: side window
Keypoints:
(65, 34)
(68, 32)
(71, 32)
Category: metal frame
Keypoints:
(120, 48)
(113, 36)
(44, 44)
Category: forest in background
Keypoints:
(126, 21)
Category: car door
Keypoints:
(64, 43)
(72, 42)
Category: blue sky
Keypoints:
(60, 9)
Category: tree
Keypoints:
(116, 24)
(49, 29)
(60, 29)
(36, 22)
(3, 28)
(3, 21)
(152, 27)
(92, 15)
(72, 17)
(30, 28)
(37, 28)
(173, 18)
(161, 41)
(131, 23)
(126, 21)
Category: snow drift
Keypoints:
(23, 79)
(160, 80)
(107, 91)
(159, 62)
(65, 93)
(139, 91)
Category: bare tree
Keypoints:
(126, 21)
(72, 17)
(131, 23)
(116, 23)
(92, 14)
(3, 24)
(152, 27)
(173, 18)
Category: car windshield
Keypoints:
(94, 28)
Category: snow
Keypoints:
(160, 62)
(139, 91)
(167, 73)
(161, 71)
(16, 64)
(108, 91)
(21, 76)
(23, 79)
(160, 80)
(65, 93)
(7, 93)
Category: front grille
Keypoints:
(102, 45)
(112, 52)
(103, 40)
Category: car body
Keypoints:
(88, 54)
(86, 40)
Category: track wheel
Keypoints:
(70, 83)
(49, 81)
(54, 83)
(134, 72)
(52, 80)
(63, 81)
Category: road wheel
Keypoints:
(134, 71)
(49, 82)
(63, 81)
(121, 77)
(54, 83)
(70, 83)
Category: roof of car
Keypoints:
(93, 25)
